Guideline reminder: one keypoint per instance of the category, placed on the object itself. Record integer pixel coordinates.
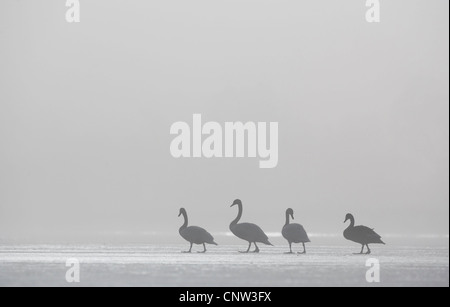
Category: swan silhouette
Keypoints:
(194, 234)
(294, 233)
(361, 234)
(248, 232)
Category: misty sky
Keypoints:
(86, 110)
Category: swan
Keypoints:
(194, 234)
(294, 233)
(361, 234)
(248, 232)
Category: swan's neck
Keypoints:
(186, 220)
(238, 218)
(352, 223)
(288, 221)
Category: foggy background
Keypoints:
(85, 113)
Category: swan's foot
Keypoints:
(301, 253)
(244, 252)
(256, 251)
(188, 252)
(202, 252)
(368, 252)
(288, 253)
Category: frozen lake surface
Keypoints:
(143, 265)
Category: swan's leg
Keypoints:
(190, 250)
(204, 249)
(290, 248)
(304, 250)
(362, 251)
(257, 249)
(368, 250)
(248, 250)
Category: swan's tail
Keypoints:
(268, 243)
(214, 243)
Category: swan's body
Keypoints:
(251, 233)
(361, 234)
(194, 234)
(294, 233)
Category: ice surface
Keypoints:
(142, 265)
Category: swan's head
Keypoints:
(290, 212)
(348, 217)
(237, 202)
(182, 211)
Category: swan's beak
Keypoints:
(179, 214)
(292, 217)
(232, 205)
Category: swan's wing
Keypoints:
(369, 234)
(198, 234)
(252, 232)
(296, 232)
